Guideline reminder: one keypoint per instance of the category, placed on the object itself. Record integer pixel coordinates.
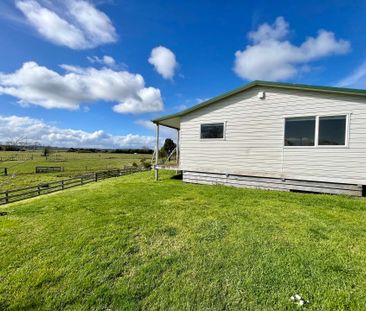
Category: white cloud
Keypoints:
(95, 24)
(35, 130)
(182, 107)
(277, 31)
(146, 124)
(76, 24)
(272, 57)
(357, 79)
(145, 100)
(164, 132)
(187, 103)
(164, 61)
(37, 85)
(201, 100)
(105, 60)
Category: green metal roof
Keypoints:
(293, 86)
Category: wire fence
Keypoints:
(19, 194)
(16, 158)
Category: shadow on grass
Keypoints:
(177, 176)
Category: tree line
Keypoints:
(164, 151)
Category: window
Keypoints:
(332, 130)
(300, 131)
(316, 131)
(215, 130)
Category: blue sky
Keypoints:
(162, 56)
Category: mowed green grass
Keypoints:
(130, 243)
(22, 172)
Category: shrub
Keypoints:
(132, 151)
(46, 152)
(145, 164)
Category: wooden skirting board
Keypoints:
(271, 183)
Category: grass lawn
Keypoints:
(129, 243)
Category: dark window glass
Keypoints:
(332, 130)
(300, 131)
(212, 130)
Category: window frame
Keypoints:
(213, 123)
(346, 139)
(316, 138)
(295, 117)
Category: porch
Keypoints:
(172, 160)
(169, 166)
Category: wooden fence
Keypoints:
(4, 172)
(49, 169)
(15, 195)
(16, 158)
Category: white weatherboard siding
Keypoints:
(254, 135)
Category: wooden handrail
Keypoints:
(170, 155)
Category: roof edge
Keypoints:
(293, 86)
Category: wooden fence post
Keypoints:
(62, 185)
(5, 171)
(39, 190)
(95, 177)
(6, 197)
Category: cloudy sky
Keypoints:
(93, 73)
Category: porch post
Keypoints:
(178, 147)
(157, 153)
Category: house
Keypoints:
(279, 136)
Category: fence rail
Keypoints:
(49, 169)
(15, 195)
(16, 158)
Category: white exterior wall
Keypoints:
(254, 136)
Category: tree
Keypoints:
(46, 152)
(11, 148)
(168, 147)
